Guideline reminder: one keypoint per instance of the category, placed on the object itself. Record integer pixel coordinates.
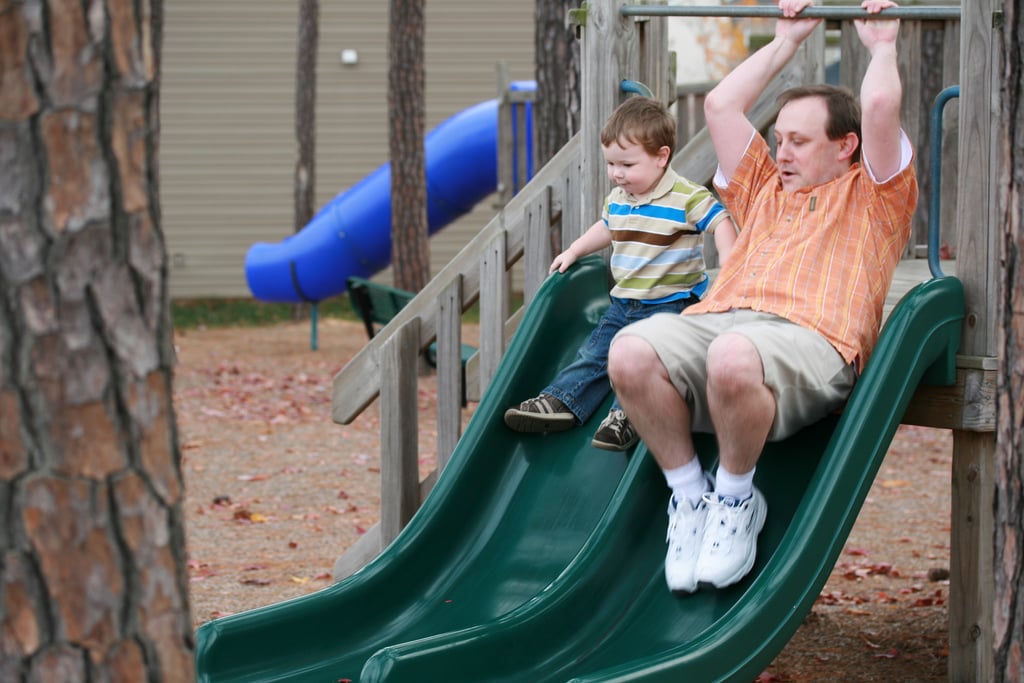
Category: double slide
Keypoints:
(540, 558)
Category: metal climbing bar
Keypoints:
(814, 12)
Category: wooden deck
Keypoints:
(910, 272)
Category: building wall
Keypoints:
(227, 139)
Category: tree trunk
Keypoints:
(305, 122)
(305, 112)
(93, 568)
(1009, 494)
(557, 108)
(410, 246)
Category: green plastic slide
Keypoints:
(540, 558)
(504, 520)
(609, 616)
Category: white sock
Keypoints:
(687, 482)
(736, 486)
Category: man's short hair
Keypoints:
(641, 121)
(840, 103)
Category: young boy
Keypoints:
(653, 219)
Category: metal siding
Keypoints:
(227, 149)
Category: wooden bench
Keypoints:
(377, 304)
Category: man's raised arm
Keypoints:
(726, 106)
(880, 93)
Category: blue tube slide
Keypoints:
(351, 234)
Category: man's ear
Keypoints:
(848, 146)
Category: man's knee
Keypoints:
(628, 357)
(734, 361)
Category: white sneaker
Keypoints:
(685, 529)
(730, 539)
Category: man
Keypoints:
(794, 314)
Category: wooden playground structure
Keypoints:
(620, 42)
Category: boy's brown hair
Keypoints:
(641, 121)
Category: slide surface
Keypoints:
(503, 521)
(609, 616)
(351, 234)
(540, 558)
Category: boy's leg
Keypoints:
(578, 389)
(616, 433)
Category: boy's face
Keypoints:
(632, 168)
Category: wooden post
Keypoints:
(972, 534)
(537, 258)
(494, 288)
(608, 49)
(653, 64)
(450, 376)
(399, 430)
(950, 136)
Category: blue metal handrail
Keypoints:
(636, 87)
(936, 177)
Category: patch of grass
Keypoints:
(246, 312)
(190, 314)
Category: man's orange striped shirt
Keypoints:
(822, 257)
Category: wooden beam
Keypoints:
(972, 536)
(969, 405)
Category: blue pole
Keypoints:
(936, 177)
(636, 87)
(312, 328)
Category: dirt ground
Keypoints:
(275, 492)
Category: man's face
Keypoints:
(804, 154)
(632, 168)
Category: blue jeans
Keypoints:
(583, 384)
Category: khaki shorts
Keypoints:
(808, 376)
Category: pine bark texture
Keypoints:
(410, 246)
(557, 50)
(1009, 495)
(94, 586)
(305, 112)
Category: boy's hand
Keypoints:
(562, 262)
(791, 28)
(874, 32)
